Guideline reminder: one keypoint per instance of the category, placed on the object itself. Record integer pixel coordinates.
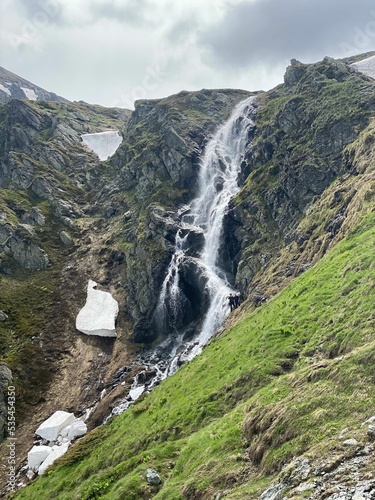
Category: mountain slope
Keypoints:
(255, 399)
(283, 383)
(14, 87)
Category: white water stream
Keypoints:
(218, 183)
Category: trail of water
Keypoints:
(218, 183)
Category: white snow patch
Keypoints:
(50, 428)
(136, 393)
(4, 89)
(99, 314)
(30, 94)
(77, 429)
(366, 66)
(56, 452)
(37, 455)
(104, 144)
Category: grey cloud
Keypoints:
(182, 29)
(40, 11)
(130, 12)
(272, 31)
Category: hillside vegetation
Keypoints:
(283, 383)
(278, 405)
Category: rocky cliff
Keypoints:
(297, 242)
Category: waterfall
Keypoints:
(218, 183)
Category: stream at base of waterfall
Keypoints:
(218, 182)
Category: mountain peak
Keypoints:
(13, 86)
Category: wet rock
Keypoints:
(153, 477)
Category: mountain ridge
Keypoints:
(249, 414)
(13, 86)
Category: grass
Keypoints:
(282, 382)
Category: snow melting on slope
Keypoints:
(104, 144)
(4, 89)
(366, 66)
(29, 93)
(99, 314)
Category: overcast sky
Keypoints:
(113, 52)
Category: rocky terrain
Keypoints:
(280, 404)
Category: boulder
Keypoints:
(3, 316)
(153, 477)
(37, 455)
(99, 314)
(57, 452)
(51, 427)
(66, 239)
(26, 252)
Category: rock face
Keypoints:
(297, 154)
(99, 314)
(159, 164)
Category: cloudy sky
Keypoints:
(113, 52)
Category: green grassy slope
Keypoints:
(283, 382)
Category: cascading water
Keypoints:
(218, 183)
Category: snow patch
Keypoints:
(104, 144)
(4, 89)
(29, 93)
(98, 316)
(37, 455)
(50, 428)
(366, 66)
(77, 429)
(56, 452)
